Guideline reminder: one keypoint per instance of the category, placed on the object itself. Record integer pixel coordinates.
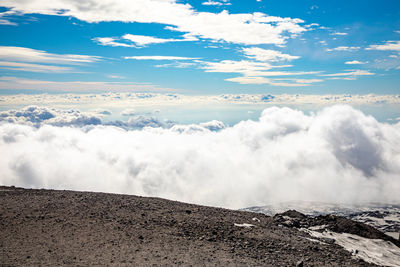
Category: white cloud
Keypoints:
(129, 112)
(216, 3)
(256, 28)
(7, 22)
(386, 63)
(127, 100)
(110, 41)
(160, 58)
(250, 80)
(344, 48)
(23, 54)
(18, 66)
(355, 62)
(260, 54)
(353, 73)
(249, 68)
(4, 20)
(113, 76)
(15, 83)
(142, 40)
(388, 46)
(254, 72)
(177, 64)
(139, 40)
(337, 155)
(274, 82)
(36, 116)
(39, 116)
(24, 59)
(339, 33)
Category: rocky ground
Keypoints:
(49, 228)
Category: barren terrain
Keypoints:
(49, 227)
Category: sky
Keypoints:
(219, 102)
(202, 47)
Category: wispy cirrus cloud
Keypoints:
(257, 71)
(268, 55)
(15, 83)
(29, 67)
(274, 82)
(24, 54)
(111, 41)
(344, 48)
(160, 58)
(137, 41)
(216, 3)
(355, 62)
(339, 33)
(348, 75)
(32, 60)
(4, 18)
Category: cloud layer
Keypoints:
(337, 155)
(132, 99)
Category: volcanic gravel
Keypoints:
(51, 228)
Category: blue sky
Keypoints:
(200, 47)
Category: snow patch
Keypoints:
(245, 225)
(376, 251)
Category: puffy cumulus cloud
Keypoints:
(128, 112)
(102, 112)
(128, 100)
(256, 28)
(39, 116)
(213, 125)
(36, 116)
(336, 155)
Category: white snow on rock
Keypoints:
(384, 217)
(376, 251)
(246, 225)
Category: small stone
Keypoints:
(299, 264)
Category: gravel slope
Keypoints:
(49, 228)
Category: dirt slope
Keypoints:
(47, 227)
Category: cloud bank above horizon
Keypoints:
(337, 155)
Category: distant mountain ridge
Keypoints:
(384, 217)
